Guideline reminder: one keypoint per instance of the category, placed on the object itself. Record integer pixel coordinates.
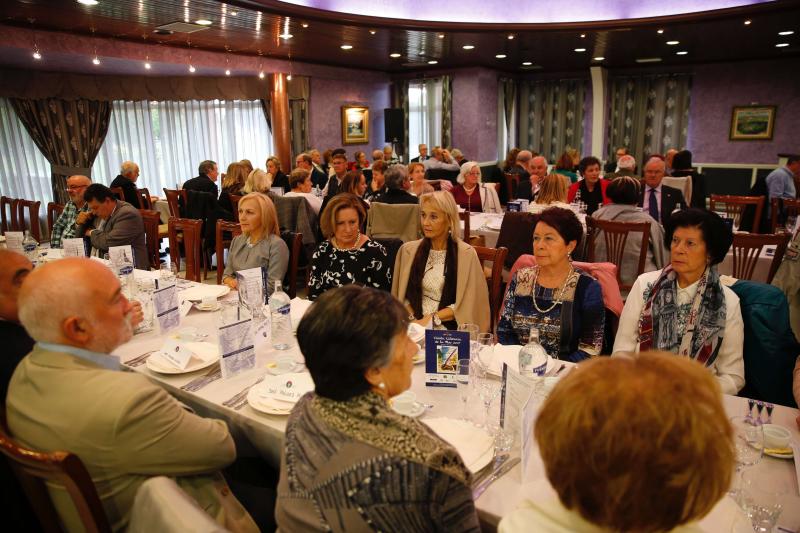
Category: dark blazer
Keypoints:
(201, 183)
(670, 197)
(397, 196)
(417, 160)
(123, 227)
(281, 180)
(128, 189)
(318, 178)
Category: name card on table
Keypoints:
(14, 241)
(236, 347)
(176, 353)
(287, 387)
(165, 301)
(518, 411)
(74, 247)
(252, 285)
(443, 349)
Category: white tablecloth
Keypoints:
(761, 270)
(254, 431)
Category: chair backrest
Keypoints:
(35, 469)
(397, 221)
(8, 213)
(615, 236)
(747, 248)
(144, 198)
(497, 256)
(781, 210)
(118, 192)
(222, 243)
(295, 243)
(516, 234)
(734, 206)
(33, 217)
(173, 197)
(464, 216)
(53, 212)
(511, 181)
(235, 205)
(192, 243)
(151, 221)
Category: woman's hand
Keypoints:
(425, 321)
(230, 282)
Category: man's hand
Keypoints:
(83, 217)
(137, 316)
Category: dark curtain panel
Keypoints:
(649, 114)
(551, 116)
(299, 90)
(265, 108)
(447, 111)
(400, 100)
(69, 134)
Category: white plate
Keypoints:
(494, 223)
(482, 461)
(198, 292)
(268, 405)
(475, 446)
(510, 355)
(417, 411)
(204, 354)
(201, 307)
(780, 456)
(416, 332)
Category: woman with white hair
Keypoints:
(257, 181)
(472, 195)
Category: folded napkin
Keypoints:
(298, 309)
(501, 353)
(471, 442)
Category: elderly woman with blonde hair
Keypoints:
(260, 244)
(635, 443)
(552, 193)
(257, 181)
(439, 277)
(472, 195)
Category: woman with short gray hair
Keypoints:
(350, 463)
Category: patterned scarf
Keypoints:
(705, 323)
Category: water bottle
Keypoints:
(29, 245)
(532, 357)
(279, 307)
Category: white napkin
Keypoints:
(470, 442)
(499, 354)
(298, 309)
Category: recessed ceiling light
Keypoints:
(510, 36)
(526, 63)
(394, 55)
(599, 58)
(781, 45)
(289, 77)
(787, 32)
(432, 62)
(261, 74)
(659, 31)
(203, 22)
(191, 68)
(748, 22)
(372, 32)
(36, 54)
(583, 35)
(468, 46)
(500, 56)
(227, 72)
(648, 60)
(285, 36)
(441, 36)
(147, 66)
(346, 47)
(673, 43)
(580, 49)
(681, 53)
(96, 60)
(88, 2)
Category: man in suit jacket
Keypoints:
(124, 428)
(128, 174)
(115, 223)
(657, 199)
(318, 178)
(531, 171)
(423, 154)
(205, 181)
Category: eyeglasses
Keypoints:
(79, 187)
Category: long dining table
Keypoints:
(261, 434)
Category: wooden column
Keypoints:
(279, 113)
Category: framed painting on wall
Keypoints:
(752, 123)
(355, 124)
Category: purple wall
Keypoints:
(717, 88)
(475, 113)
(324, 115)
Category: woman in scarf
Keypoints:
(350, 462)
(684, 308)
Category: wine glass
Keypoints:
(463, 385)
(762, 499)
(484, 344)
(748, 439)
(488, 389)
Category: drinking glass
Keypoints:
(463, 385)
(488, 389)
(472, 329)
(484, 345)
(748, 439)
(168, 273)
(762, 499)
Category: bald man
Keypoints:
(124, 428)
(66, 225)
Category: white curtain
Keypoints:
(424, 114)
(168, 140)
(24, 171)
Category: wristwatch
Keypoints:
(437, 321)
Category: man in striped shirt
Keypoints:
(67, 222)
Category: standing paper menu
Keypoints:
(443, 349)
(236, 347)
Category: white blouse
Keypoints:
(729, 364)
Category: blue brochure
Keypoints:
(443, 349)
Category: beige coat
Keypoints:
(472, 293)
(125, 430)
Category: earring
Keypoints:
(382, 385)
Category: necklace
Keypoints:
(556, 300)
(355, 244)
(470, 190)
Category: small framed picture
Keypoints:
(355, 124)
(752, 123)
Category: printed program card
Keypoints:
(252, 285)
(443, 349)
(237, 351)
(121, 254)
(74, 247)
(168, 314)
(14, 241)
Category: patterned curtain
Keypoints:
(506, 120)
(447, 111)
(69, 134)
(400, 100)
(298, 91)
(649, 114)
(551, 116)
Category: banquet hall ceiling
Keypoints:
(263, 27)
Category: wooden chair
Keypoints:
(747, 248)
(734, 206)
(144, 198)
(465, 217)
(235, 205)
(8, 213)
(35, 470)
(33, 217)
(174, 197)
(790, 208)
(222, 244)
(512, 184)
(152, 219)
(616, 236)
(295, 243)
(54, 210)
(193, 245)
(118, 192)
(495, 282)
